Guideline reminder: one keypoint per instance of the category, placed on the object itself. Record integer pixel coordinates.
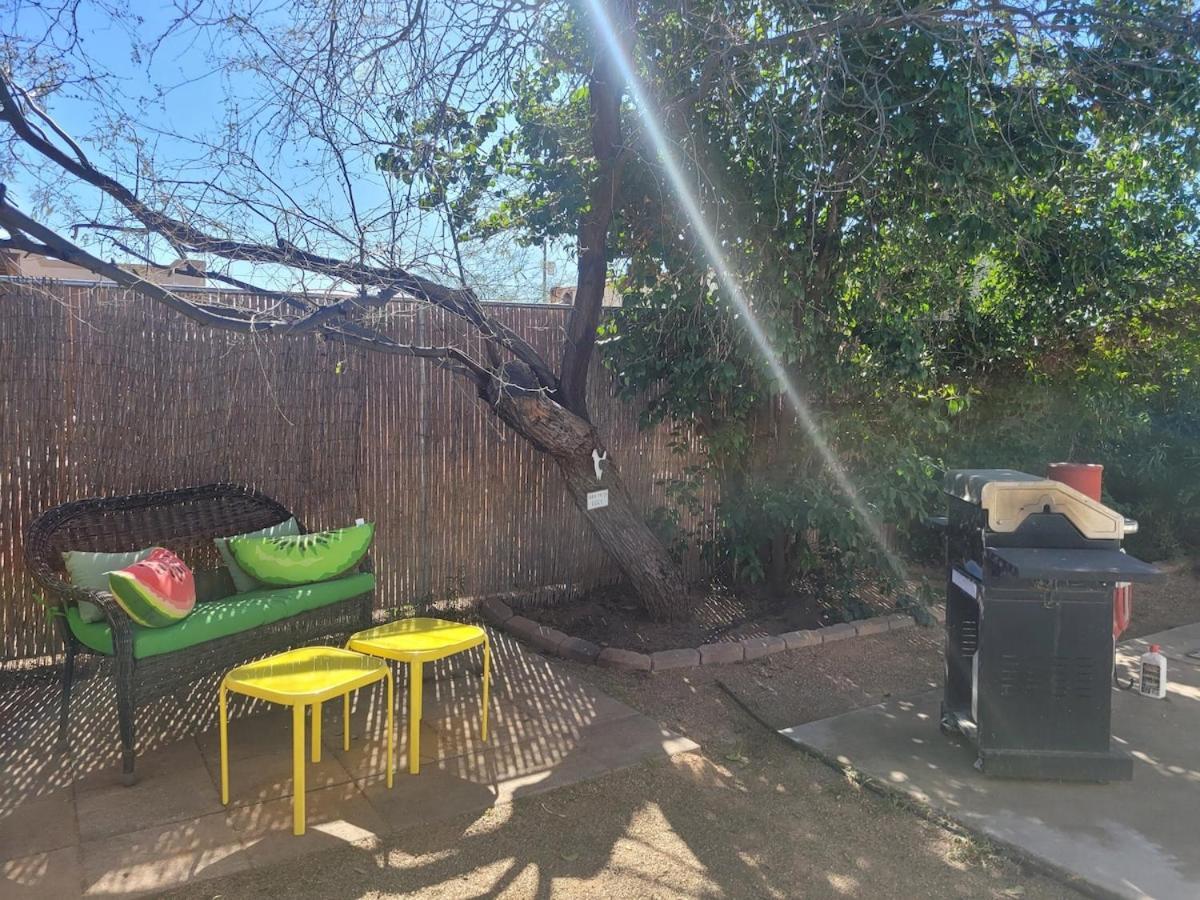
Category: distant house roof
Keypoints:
(31, 265)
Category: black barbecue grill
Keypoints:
(1030, 569)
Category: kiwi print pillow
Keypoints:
(289, 559)
(241, 580)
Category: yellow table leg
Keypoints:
(487, 681)
(316, 732)
(298, 768)
(391, 704)
(223, 703)
(346, 719)
(415, 677)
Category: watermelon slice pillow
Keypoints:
(157, 591)
(290, 559)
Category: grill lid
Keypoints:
(968, 484)
(1052, 564)
(1009, 497)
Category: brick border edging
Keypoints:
(558, 643)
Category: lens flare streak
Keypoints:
(686, 198)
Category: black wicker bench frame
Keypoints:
(188, 518)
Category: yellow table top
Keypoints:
(305, 675)
(417, 640)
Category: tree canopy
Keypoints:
(948, 219)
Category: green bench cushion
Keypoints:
(221, 618)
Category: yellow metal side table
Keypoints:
(305, 677)
(416, 642)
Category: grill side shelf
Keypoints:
(1053, 564)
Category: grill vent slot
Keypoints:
(1060, 676)
(968, 637)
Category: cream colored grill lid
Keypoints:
(1010, 496)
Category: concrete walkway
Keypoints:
(1134, 839)
(68, 828)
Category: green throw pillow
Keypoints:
(302, 558)
(241, 580)
(90, 570)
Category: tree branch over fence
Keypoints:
(330, 319)
(27, 235)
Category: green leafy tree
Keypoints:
(941, 216)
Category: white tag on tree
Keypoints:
(597, 499)
(596, 460)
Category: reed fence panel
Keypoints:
(103, 392)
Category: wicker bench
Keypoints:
(150, 663)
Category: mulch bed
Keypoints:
(1169, 604)
(610, 616)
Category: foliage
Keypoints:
(348, 151)
(1132, 402)
(958, 224)
(970, 234)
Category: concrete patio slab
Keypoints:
(1131, 839)
(335, 816)
(430, 798)
(1175, 643)
(268, 776)
(162, 857)
(40, 826)
(161, 761)
(161, 799)
(68, 827)
(250, 736)
(43, 876)
(367, 755)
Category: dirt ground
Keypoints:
(746, 816)
(770, 824)
(611, 617)
(1175, 602)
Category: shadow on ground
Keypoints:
(68, 826)
(580, 792)
(745, 816)
(1132, 839)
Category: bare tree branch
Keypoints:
(29, 236)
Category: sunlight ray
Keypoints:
(686, 197)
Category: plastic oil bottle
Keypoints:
(1153, 681)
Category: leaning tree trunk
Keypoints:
(558, 423)
(626, 537)
(569, 440)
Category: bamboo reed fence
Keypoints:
(103, 392)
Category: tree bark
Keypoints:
(605, 90)
(561, 426)
(626, 537)
(622, 531)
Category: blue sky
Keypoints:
(179, 92)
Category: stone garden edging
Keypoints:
(557, 643)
